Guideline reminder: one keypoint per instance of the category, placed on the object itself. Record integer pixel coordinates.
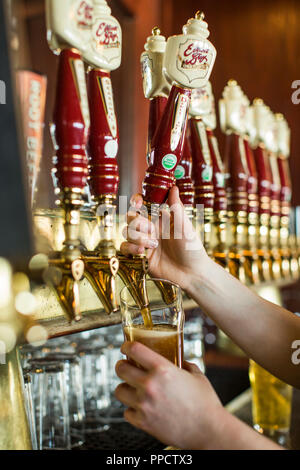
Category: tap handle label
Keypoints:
(106, 41)
(103, 140)
(71, 122)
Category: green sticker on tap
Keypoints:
(179, 172)
(169, 161)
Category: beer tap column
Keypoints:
(202, 170)
(188, 63)
(288, 245)
(218, 239)
(253, 199)
(103, 55)
(264, 187)
(236, 174)
(69, 130)
(280, 267)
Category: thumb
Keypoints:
(173, 196)
(175, 204)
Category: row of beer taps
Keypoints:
(245, 200)
(244, 197)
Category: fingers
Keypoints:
(126, 394)
(127, 249)
(139, 223)
(132, 416)
(130, 373)
(136, 201)
(173, 196)
(140, 232)
(144, 356)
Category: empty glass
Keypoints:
(30, 409)
(52, 410)
(74, 384)
(193, 342)
(95, 384)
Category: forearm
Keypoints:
(263, 330)
(233, 434)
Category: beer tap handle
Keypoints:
(188, 62)
(203, 104)
(103, 54)
(252, 186)
(235, 160)
(71, 123)
(202, 169)
(261, 158)
(103, 140)
(220, 200)
(283, 152)
(155, 85)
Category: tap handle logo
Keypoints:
(84, 15)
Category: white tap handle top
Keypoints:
(156, 42)
(261, 117)
(190, 57)
(69, 23)
(197, 26)
(232, 109)
(283, 136)
(249, 121)
(203, 105)
(154, 81)
(270, 131)
(104, 49)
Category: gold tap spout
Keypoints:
(101, 273)
(68, 267)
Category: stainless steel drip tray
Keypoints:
(121, 436)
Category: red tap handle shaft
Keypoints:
(167, 146)
(183, 175)
(236, 171)
(252, 183)
(156, 109)
(286, 186)
(264, 179)
(220, 201)
(103, 140)
(202, 170)
(71, 122)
